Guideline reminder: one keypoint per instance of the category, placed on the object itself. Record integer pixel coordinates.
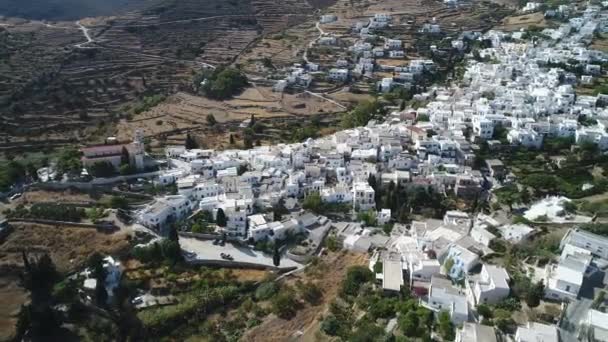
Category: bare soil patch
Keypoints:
(12, 296)
(517, 22)
(68, 247)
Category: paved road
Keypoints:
(206, 250)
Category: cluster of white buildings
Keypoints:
(524, 86)
(528, 87)
(362, 58)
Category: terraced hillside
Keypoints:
(55, 80)
(68, 9)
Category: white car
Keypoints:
(15, 196)
(137, 300)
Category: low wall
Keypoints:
(239, 264)
(200, 236)
(103, 227)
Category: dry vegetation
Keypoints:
(328, 275)
(69, 248)
(517, 22)
(51, 90)
(182, 113)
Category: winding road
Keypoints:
(91, 41)
(85, 32)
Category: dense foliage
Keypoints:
(11, 173)
(362, 114)
(221, 83)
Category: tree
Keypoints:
(484, 310)
(125, 158)
(173, 235)
(119, 202)
(355, 277)
(248, 136)
(311, 293)
(535, 294)
(102, 169)
(276, 256)
(313, 202)
(220, 218)
(221, 83)
(211, 121)
(362, 114)
(371, 180)
(38, 317)
(190, 142)
(95, 263)
(448, 264)
(284, 304)
(266, 290)
(279, 209)
(126, 169)
(445, 326)
(39, 276)
(330, 325)
(101, 294)
(409, 323)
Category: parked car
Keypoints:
(222, 243)
(137, 300)
(216, 242)
(15, 196)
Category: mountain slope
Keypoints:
(68, 9)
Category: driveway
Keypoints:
(206, 250)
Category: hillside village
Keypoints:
(473, 202)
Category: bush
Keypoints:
(330, 325)
(119, 202)
(311, 293)
(284, 304)
(57, 212)
(484, 311)
(362, 114)
(314, 203)
(102, 169)
(10, 173)
(266, 290)
(445, 326)
(222, 83)
(355, 277)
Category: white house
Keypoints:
(340, 75)
(596, 325)
(473, 332)
(483, 128)
(463, 260)
(383, 216)
(393, 44)
(525, 137)
(328, 18)
(444, 296)
(515, 233)
(363, 196)
(564, 280)
(596, 244)
(537, 332)
(165, 210)
(489, 287)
